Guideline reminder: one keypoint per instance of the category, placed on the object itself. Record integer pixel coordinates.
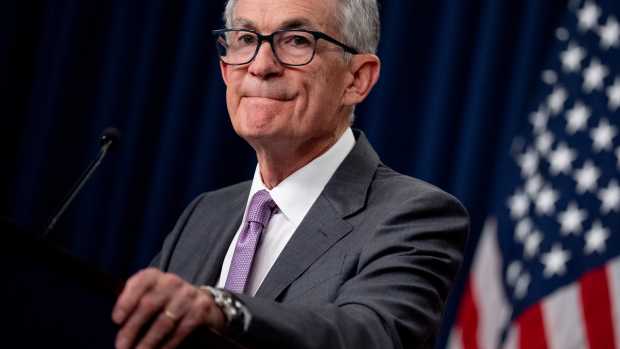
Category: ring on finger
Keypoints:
(170, 315)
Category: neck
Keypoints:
(277, 162)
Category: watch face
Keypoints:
(237, 315)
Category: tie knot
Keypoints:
(261, 207)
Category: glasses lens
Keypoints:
(294, 47)
(236, 47)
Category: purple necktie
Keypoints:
(259, 213)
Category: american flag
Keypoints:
(546, 272)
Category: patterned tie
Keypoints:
(259, 213)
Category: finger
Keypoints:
(172, 314)
(134, 289)
(149, 304)
(198, 315)
(163, 326)
(186, 326)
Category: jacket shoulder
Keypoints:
(392, 186)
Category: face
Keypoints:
(274, 104)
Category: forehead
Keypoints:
(270, 15)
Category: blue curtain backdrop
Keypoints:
(455, 82)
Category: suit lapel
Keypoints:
(325, 223)
(215, 251)
(316, 234)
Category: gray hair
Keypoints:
(358, 21)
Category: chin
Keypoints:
(257, 127)
(259, 122)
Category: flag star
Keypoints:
(544, 141)
(561, 159)
(586, 177)
(610, 33)
(528, 162)
(549, 77)
(562, 34)
(571, 219)
(594, 75)
(571, 58)
(555, 261)
(595, 238)
(519, 204)
(522, 229)
(522, 284)
(532, 244)
(613, 95)
(539, 120)
(545, 202)
(577, 118)
(533, 185)
(588, 16)
(603, 135)
(610, 197)
(513, 271)
(556, 100)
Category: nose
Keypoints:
(265, 64)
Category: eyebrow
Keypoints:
(297, 23)
(293, 23)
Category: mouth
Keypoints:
(268, 99)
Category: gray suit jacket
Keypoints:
(370, 266)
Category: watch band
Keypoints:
(237, 315)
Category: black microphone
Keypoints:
(109, 138)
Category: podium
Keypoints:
(51, 299)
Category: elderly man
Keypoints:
(326, 247)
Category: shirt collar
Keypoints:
(298, 192)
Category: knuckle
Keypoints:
(150, 271)
(204, 303)
(171, 280)
(141, 276)
(189, 291)
(148, 302)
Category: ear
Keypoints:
(224, 72)
(364, 69)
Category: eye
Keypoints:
(297, 40)
(246, 39)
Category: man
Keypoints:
(326, 247)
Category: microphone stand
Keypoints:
(109, 136)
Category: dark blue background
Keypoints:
(455, 85)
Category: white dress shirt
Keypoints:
(294, 197)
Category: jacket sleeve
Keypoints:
(162, 258)
(395, 295)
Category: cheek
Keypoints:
(325, 92)
(232, 101)
(233, 96)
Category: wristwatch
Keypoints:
(237, 315)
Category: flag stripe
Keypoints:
(454, 342)
(511, 339)
(468, 319)
(613, 273)
(532, 329)
(563, 318)
(597, 309)
(493, 311)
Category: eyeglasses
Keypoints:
(290, 47)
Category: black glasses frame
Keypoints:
(269, 38)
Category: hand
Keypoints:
(175, 306)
